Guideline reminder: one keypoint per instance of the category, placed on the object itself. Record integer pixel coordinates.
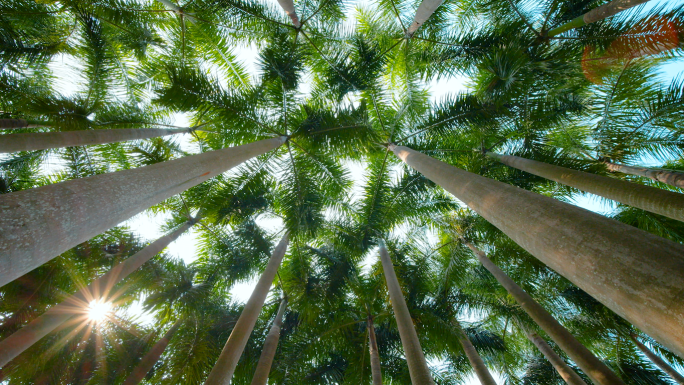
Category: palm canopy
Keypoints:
(341, 81)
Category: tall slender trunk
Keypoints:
(223, 370)
(170, 6)
(376, 371)
(151, 357)
(41, 223)
(655, 200)
(288, 7)
(567, 374)
(599, 13)
(23, 338)
(175, 8)
(263, 368)
(418, 368)
(88, 363)
(592, 366)
(12, 124)
(615, 263)
(673, 178)
(45, 140)
(423, 13)
(474, 358)
(678, 378)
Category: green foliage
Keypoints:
(340, 88)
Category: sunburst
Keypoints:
(99, 310)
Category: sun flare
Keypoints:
(99, 310)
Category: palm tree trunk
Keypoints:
(615, 263)
(376, 371)
(592, 366)
(151, 357)
(673, 178)
(23, 338)
(173, 7)
(655, 200)
(288, 7)
(45, 140)
(418, 368)
(41, 223)
(423, 13)
(12, 124)
(170, 6)
(658, 361)
(596, 14)
(263, 368)
(223, 370)
(474, 358)
(569, 376)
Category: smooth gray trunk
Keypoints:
(615, 263)
(263, 368)
(678, 378)
(655, 200)
(590, 364)
(567, 374)
(599, 13)
(673, 178)
(223, 370)
(418, 368)
(175, 8)
(151, 358)
(609, 9)
(46, 140)
(12, 124)
(100, 288)
(170, 6)
(288, 7)
(376, 371)
(39, 224)
(474, 358)
(423, 13)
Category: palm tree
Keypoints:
(594, 325)
(63, 222)
(569, 376)
(663, 202)
(423, 13)
(270, 345)
(224, 368)
(420, 373)
(591, 365)
(198, 300)
(487, 197)
(599, 13)
(476, 361)
(151, 357)
(673, 178)
(376, 369)
(49, 140)
(98, 290)
(288, 7)
(13, 124)
(338, 90)
(678, 378)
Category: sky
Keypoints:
(147, 226)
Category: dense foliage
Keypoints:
(341, 86)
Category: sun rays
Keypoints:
(99, 310)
